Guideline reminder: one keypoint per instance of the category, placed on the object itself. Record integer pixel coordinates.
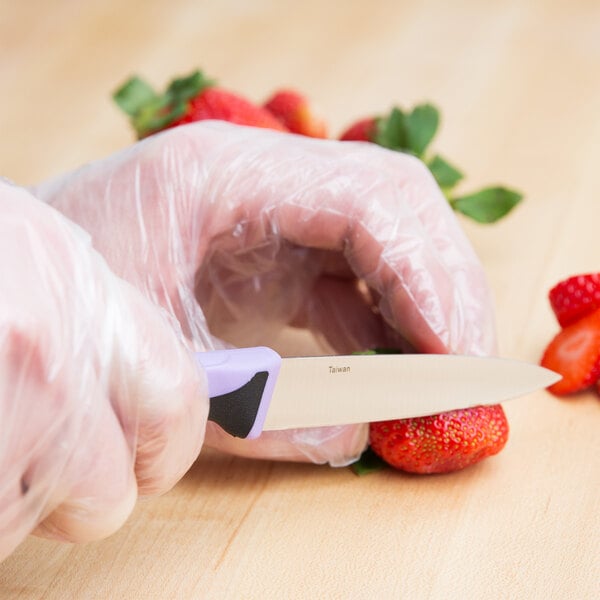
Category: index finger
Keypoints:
(386, 214)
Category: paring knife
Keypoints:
(254, 389)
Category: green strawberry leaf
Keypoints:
(186, 88)
(368, 463)
(133, 95)
(412, 132)
(487, 205)
(421, 126)
(446, 175)
(157, 115)
(379, 351)
(391, 130)
(150, 112)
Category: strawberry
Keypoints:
(189, 99)
(575, 297)
(294, 111)
(441, 443)
(575, 354)
(364, 130)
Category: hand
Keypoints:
(99, 397)
(238, 232)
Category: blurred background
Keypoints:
(483, 63)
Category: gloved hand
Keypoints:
(100, 397)
(238, 231)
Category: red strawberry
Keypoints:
(294, 111)
(575, 354)
(189, 99)
(216, 103)
(361, 131)
(441, 443)
(575, 297)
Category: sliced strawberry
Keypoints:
(575, 297)
(575, 354)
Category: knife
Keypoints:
(253, 389)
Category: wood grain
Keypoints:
(519, 89)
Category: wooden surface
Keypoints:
(518, 83)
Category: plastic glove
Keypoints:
(99, 397)
(239, 231)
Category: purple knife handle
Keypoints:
(240, 386)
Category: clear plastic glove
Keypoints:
(239, 231)
(100, 398)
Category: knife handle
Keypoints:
(240, 386)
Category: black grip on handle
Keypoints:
(236, 411)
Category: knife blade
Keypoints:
(254, 389)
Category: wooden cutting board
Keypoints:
(519, 87)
